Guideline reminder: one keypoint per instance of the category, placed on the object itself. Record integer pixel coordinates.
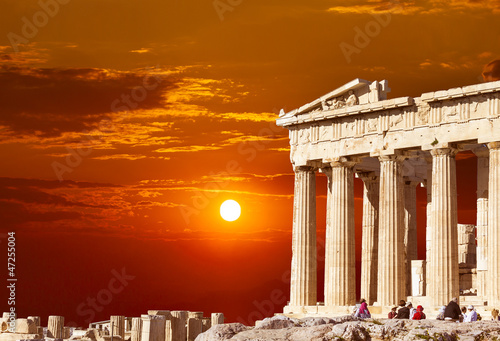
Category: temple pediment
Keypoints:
(356, 92)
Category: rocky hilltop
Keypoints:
(280, 328)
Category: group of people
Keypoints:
(407, 311)
(452, 312)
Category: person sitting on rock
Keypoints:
(494, 315)
(452, 311)
(471, 314)
(412, 310)
(404, 312)
(392, 314)
(363, 311)
(419, 313)
(440, 315)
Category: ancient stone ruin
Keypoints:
(156, 325)
(393, 145)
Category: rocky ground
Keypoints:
(280, 328)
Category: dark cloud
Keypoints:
(52, 101)
(30, 191)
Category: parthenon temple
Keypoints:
(393, 145)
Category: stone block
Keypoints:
(25, 326)
(217, 318)
(194, 328)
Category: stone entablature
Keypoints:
(433, 120)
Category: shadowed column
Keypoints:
(493, 288)
(410, 219)
(340, 257)
(391, 272)
(482, 220)
(303, 276)
(443, 274)
(369, 249)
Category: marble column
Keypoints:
(153, 328)
(135, 333)
(428, 223)
(169, 333)
(55, 327)
(217, 318)
(303, 276)
(391, 285)
(118, 323)
(443, 279)
(194, 328)
(493, 289)
(179, 320)
(410, 219)
(482, 220)
(340, 257)
(369, 243)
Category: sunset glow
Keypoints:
(124, 125)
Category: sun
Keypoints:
(230, 210)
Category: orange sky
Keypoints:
(125, 124)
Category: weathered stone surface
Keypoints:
(118, 323)
(179, 321)
(194, 328)
(217, 318)
(35, 319)
(206, 323)
(55, 327)
(153, 328)
(222, 332)
(93, 334)
(278, 322)
(135, 333)
(17, 336)
(25, 326)
(349, 328)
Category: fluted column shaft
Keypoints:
(369, 243)
(391, 271)
(444, 236)
(410, 219)
(303, 276)
(118, 323)
(55, 327)
(493, 289)
(340, 257)
(482, 221)
(135, 333)
(428, 224)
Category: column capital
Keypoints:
(368, 176)
(342, 161)
(444, 151)
(481, 151)
(494, 145)
(303, 168)
(392, 157)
